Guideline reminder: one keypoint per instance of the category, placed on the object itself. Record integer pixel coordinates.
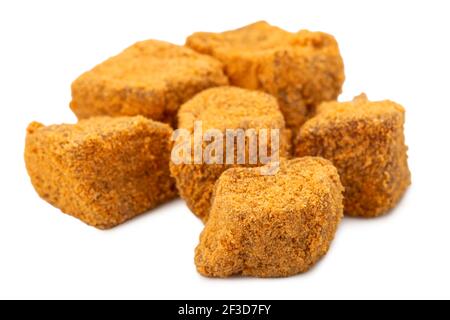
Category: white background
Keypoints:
(392, 49)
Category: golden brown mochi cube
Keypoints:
(271, 226)
(103, 170)
(301, 69)
(221, 109)
(365, 141)
(150, 78)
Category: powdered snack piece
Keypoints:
(103, 170)
(300, 69)
(271, 226)
(365, 141)
(221, 109)
(150, 78)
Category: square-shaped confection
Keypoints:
(365, 141)
(102, 170)
(301, 69)
(274, 225)
(222, 109)
(150, 78)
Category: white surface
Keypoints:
(392, 49)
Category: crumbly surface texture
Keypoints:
(301, 69)
(103, 170)
(151, 78)
(271, 226)
(223, 108)
(365, 141)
